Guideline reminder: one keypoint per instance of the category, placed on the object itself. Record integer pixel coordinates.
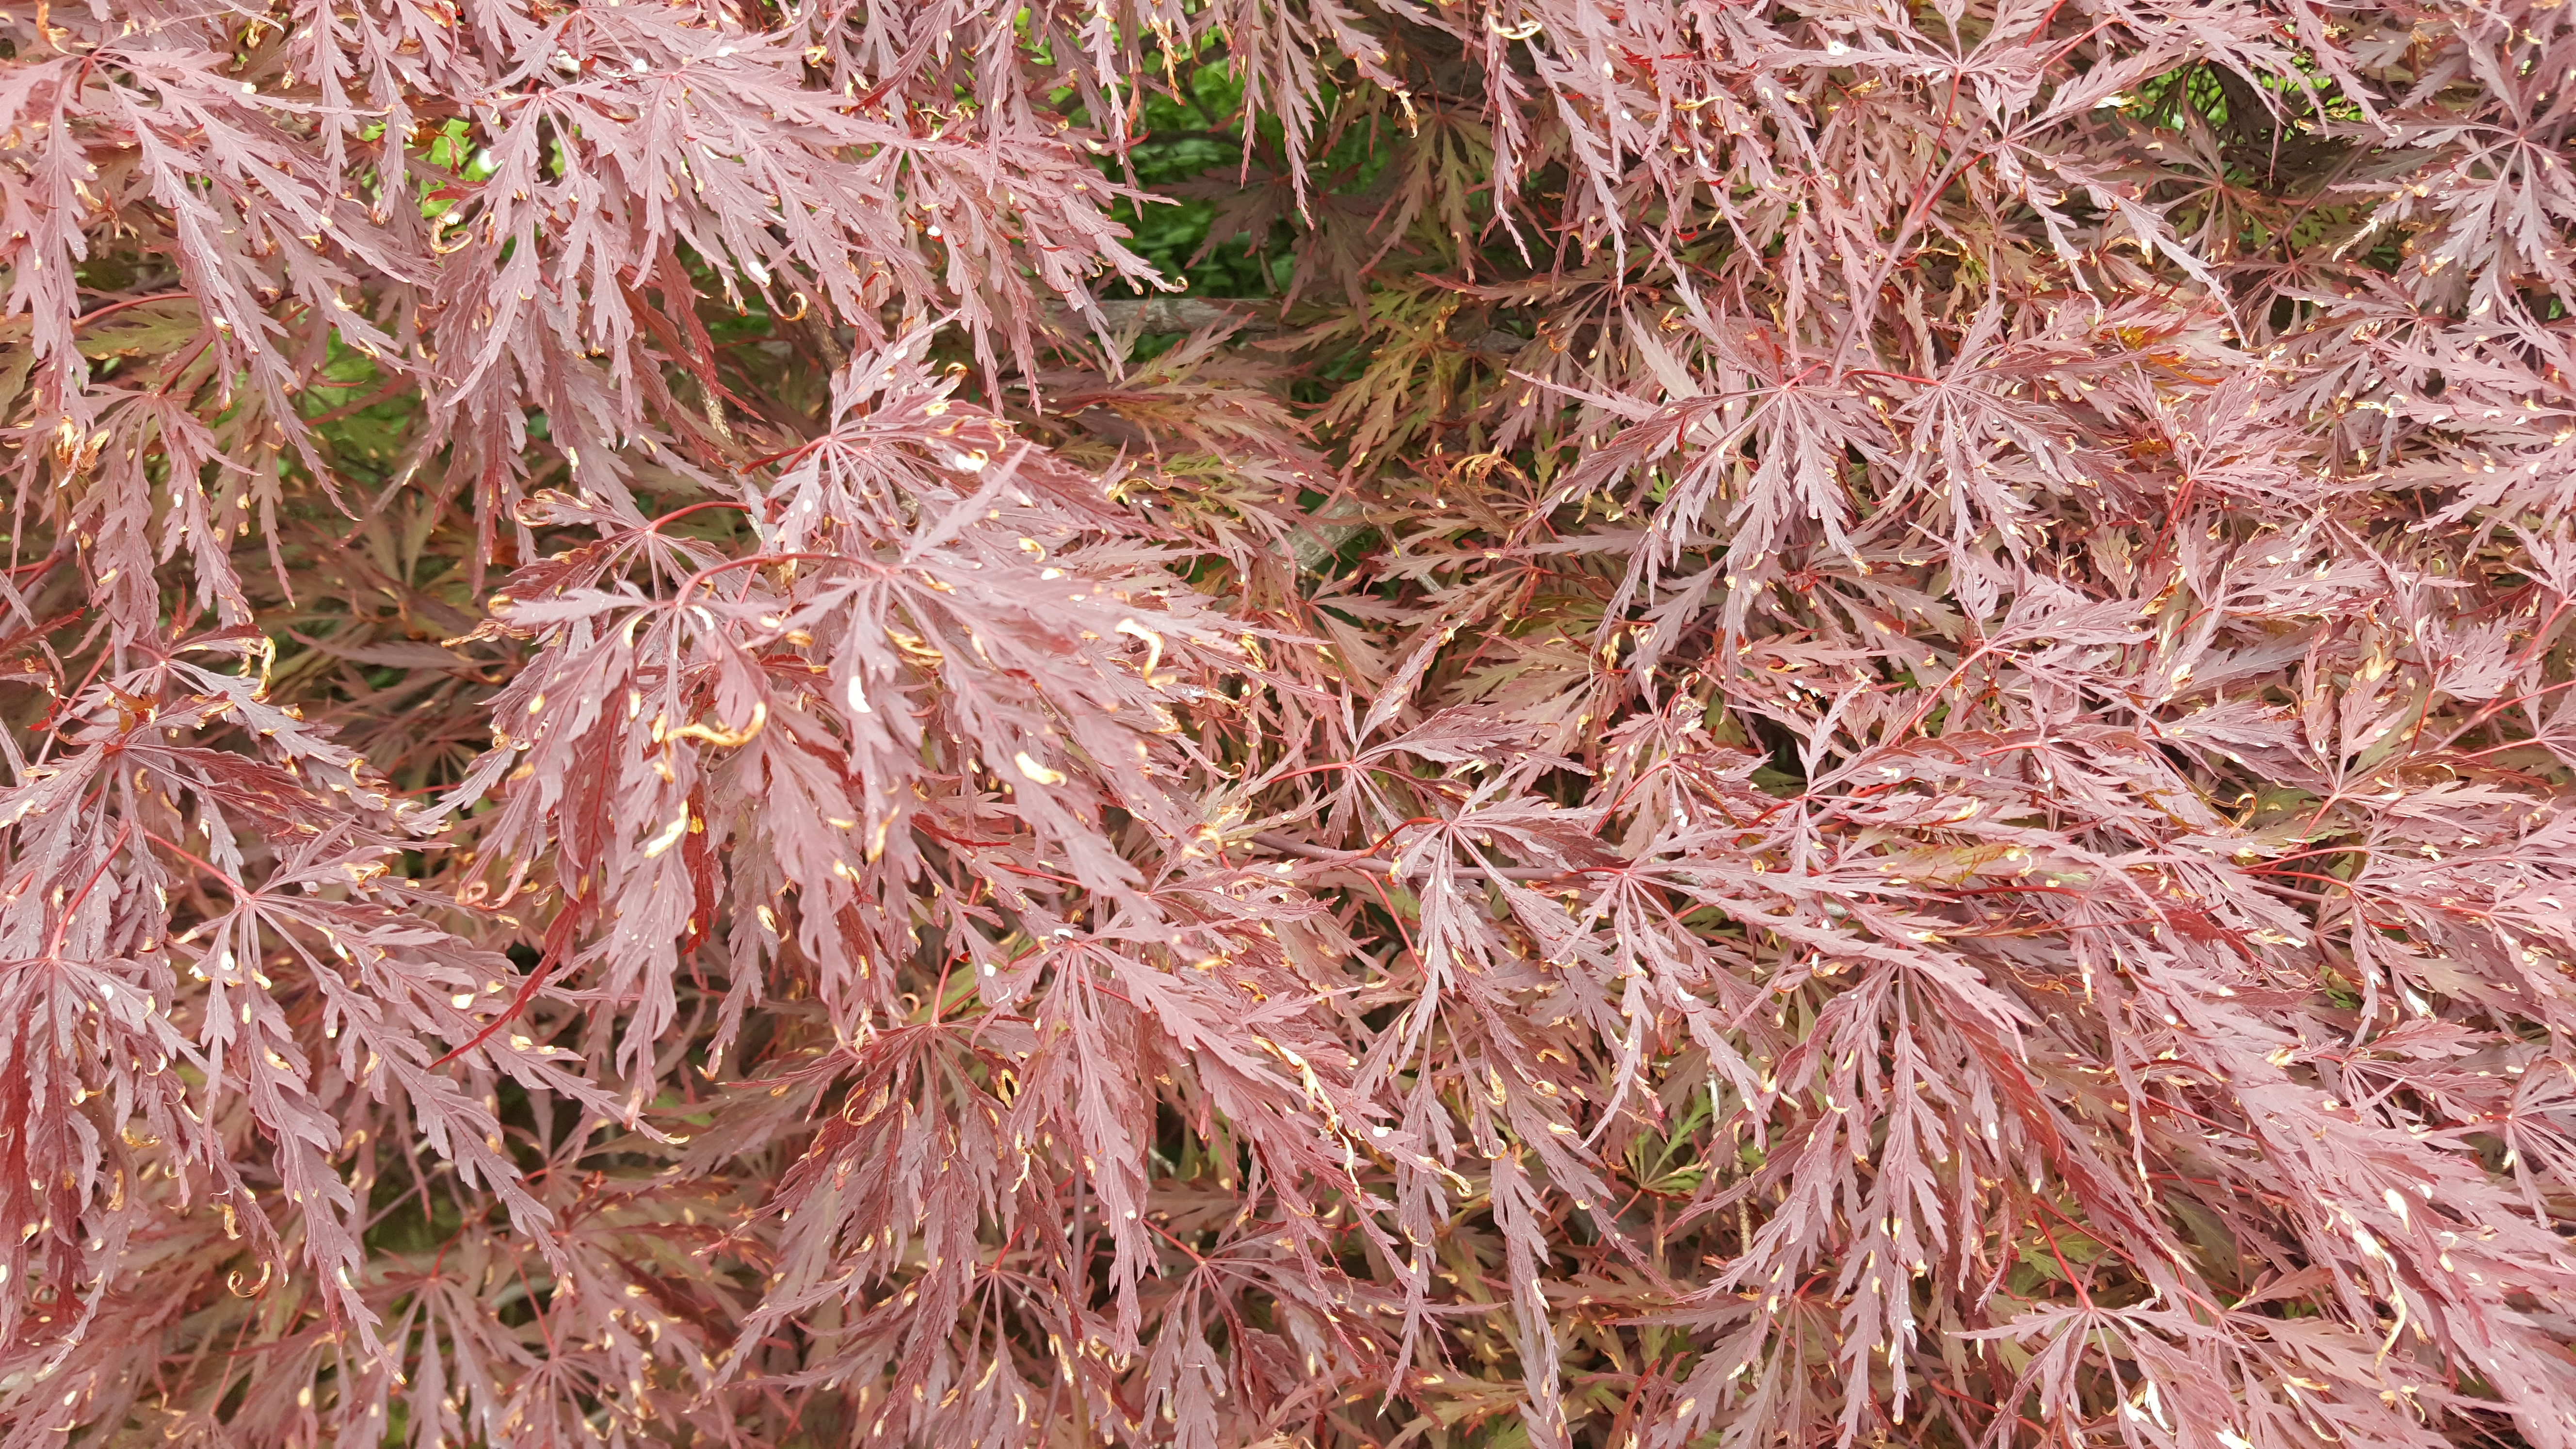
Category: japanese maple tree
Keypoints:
(1607, 723)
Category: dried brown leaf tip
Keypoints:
(1509, 724)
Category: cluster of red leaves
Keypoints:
(1843, 722)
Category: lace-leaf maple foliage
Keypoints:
(1811, 725)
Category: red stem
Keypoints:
(112, 308)
(63, 922)
(557, 940)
